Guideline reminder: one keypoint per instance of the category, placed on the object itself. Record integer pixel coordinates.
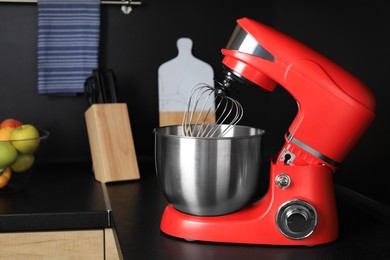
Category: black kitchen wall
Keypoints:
(352, 33)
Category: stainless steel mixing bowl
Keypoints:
(208, 176)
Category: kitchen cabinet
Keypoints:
(63, 213)
(80, 244)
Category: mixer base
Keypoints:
(309, 202)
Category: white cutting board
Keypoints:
(176, 77)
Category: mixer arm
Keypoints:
(334, 107)
(330, 119)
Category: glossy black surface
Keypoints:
(138, 205)
(57, 197)
(68, 197)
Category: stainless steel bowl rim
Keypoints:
(261, 132)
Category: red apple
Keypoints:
(10, 122)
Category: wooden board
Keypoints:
(71, 244)
(176, 118)
(176, 77)
(111, 142)
(111, 248)
(85, 244)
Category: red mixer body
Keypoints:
(334, 107)
(258, 223)
(334, 110)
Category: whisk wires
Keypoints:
(210, 112)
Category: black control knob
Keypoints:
(296, 219)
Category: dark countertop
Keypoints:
(137, 207)
(68, 197)
(57, 197)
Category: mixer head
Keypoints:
(210, 112)
(266, 57)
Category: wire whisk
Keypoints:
(210, 112)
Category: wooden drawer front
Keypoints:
(85, 244)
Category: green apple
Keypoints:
(25, 138)
(8, 154)
(23, 162)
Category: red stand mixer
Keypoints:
(334, 110)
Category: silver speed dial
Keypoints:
(296, 219)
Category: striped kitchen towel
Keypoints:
(68, 44)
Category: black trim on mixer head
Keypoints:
(222, 87)
(235, 77)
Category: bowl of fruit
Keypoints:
(20, 147)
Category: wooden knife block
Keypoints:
(111, 142)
